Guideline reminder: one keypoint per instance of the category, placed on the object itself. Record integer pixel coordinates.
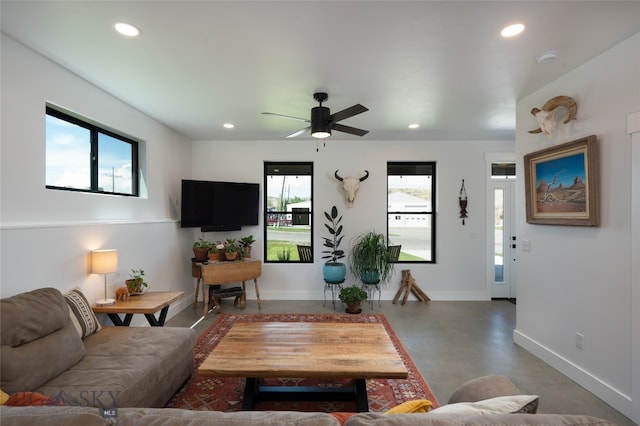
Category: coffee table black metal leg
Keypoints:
(362, 402)
(250, 391)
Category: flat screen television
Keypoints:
(219, 206)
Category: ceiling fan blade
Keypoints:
(287, 116)
(349, 112)
(298, 132)
(349, 129)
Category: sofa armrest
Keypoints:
(484, 387)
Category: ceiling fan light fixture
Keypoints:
(320, 122)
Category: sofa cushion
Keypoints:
(82, 316)
(432, 419)
(53, 416)
(484, 387)
(30, 316)
(127, 367)
(38, 340)
(499, 405)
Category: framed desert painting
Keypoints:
(561, 184)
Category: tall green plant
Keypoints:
(368, 254)
(335, 237)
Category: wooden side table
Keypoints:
(226, 272)
(148, 304)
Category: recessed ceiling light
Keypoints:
(127, 29)
(414, 126)
(228, 126)
(512, 30)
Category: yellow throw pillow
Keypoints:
(415, 406)
(3, 397)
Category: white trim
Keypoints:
(602, 390)
(633, 129)
(85, 223)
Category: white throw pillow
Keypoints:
(499, 405)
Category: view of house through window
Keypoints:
(411, 210)
(81, 156)
(288, 209)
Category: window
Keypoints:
(288, 210)
(80, 156)
(411, 210)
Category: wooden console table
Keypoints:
(225, 272)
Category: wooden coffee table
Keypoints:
(148, 304)
(258, 350)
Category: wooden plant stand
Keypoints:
(408, 285)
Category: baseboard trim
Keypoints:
(584, 378)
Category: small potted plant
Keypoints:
(231, 249)
(333, 271)
(136, 283)
(201, 250)
(352, 297)
(246, 243)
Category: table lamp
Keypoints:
(104, 262)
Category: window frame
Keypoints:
(95, 131)
(432, 214)
(266, 213)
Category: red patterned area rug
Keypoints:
(226, 394)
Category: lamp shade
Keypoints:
(104, 261)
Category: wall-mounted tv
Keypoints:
(219, 206)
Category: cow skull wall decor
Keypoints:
(351, 184)
(546, 114)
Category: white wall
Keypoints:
(460, 268)
(578, 279)
(46, 234)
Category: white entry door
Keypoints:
(502, 241)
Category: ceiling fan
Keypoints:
(322, 122)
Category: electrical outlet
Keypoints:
(580, 341)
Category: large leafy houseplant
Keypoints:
(370, 258)
(333, 271)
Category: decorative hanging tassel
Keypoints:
(462, 198)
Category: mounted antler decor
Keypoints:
(546, 115)
(462, 198)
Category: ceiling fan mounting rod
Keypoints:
(320, 97)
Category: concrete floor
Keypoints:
(450, 343)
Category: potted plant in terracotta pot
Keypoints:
(136, 284)
(201, 250)
(333, 271)
(231, 249)
(352, 297)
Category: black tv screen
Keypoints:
(219, 206)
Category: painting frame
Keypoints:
(561, 184)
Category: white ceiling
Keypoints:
(442, 64)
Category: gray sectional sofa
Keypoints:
(52, 345)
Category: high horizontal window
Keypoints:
(82, 156)
(411, 210)
(288, 200)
